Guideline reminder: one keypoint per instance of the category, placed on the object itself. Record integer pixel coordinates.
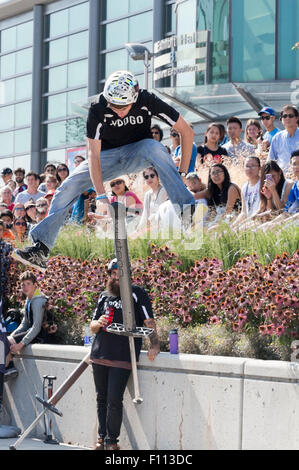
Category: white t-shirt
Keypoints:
(251, 196)
(24, 196)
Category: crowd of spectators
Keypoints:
(250, 181)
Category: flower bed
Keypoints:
(249, 298)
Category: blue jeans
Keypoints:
(131, 158)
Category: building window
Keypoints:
(113, 9)
(170, 18)
(215, 19)
(65, 77)
(130, 27)
(16, 92)
(253, 40)
(288, 59)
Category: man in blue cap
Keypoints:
(267, 116)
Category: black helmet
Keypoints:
(112, 265)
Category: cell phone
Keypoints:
(269, 177)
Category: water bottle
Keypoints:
(87, 335)
(109, 315)
(174, 341)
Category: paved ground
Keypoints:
(36, 444)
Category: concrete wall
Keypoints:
(190, 402)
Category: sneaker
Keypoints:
(35, 256)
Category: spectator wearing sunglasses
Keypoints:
(176, 150)
(18, 210)
(31, 217)
(42, 206)
(153, 198)
(157, 133)
(62, 173)
(287, 141)
(267, 116)
(20, 229)
(121, 193)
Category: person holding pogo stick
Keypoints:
(119, 141)
(111, 356)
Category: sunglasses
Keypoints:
(19, 209)
(20, 223)
(115, 182)
(284, 116)
(62, 169)
(42, 205)
(174, 134)
(267, 118)
(152, 175)
(29, 207)
(215, 173)
(156, 133)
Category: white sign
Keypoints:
(173, 61)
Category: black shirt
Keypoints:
(116, 347)
(203, 150)
(105, 125)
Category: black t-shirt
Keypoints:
(116, 347)
(105, 125)
(203, 150)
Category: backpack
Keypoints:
(12, 319)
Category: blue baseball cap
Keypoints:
(267, 110)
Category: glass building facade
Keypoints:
(16, 89)
(65, 72)
(55, 56)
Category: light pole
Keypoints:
(138, 51)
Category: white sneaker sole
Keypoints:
(27, 263)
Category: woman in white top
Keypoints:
(153, 198)
(275, 189)
(250, 191)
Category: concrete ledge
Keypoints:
(190, 401)
(273, 370)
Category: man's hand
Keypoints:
(152, 353)
(16, 348)
(155, 343)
